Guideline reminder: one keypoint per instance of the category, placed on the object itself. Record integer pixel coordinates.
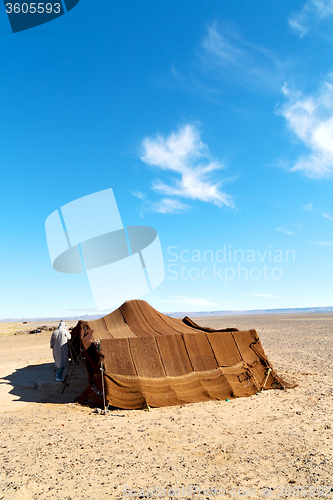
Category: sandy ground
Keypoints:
(278, 444)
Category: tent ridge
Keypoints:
(188, 354)
(210, 345)
(106, 328)
(237, 344)
(170, 317)
(160, 355)
(132, 357)
(119, 309)
(143, 314)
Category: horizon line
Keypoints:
(240, 312)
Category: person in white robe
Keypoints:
(59, 345)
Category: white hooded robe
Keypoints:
(59, 345)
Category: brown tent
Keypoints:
(152, 359)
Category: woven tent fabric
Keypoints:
(152, 359)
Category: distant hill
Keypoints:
(87, 317)
(300, 310)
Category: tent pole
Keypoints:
(70, 351)
(68, 377)
(102, 372)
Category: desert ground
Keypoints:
(276, 444)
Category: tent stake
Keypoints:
(265, 381)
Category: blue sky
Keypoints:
(211, 121)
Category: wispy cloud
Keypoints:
(322, 243)
(229, 55)
(183, 153)
(286, 231)
(309, 208)
(312, 12)
(253, 294)
(188, 301)
(310, 119)
(163, 206)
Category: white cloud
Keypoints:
(253, 294)
(163, 206)
(227, 51)
(169, 206)
(183, 153)
(229, 55)
(139, 195)
(188, 301)
(310, 15)
(322, 243)
(286, 231)
(310, 119)
(309, 208)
